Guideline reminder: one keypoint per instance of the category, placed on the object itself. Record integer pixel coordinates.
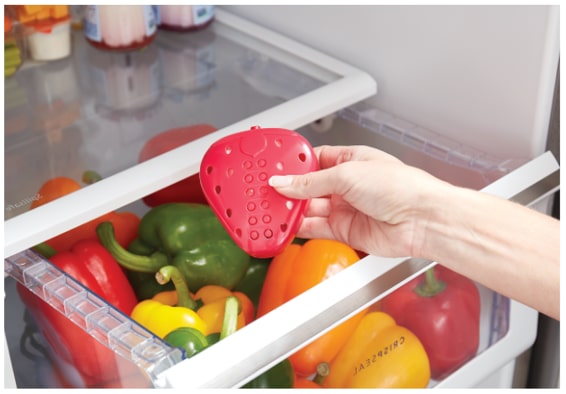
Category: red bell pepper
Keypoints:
(125, 226)
(442, 308)
(188, 189)
(94, 362)
(94, 267)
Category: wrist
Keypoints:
(434, 218)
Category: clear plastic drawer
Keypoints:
(140, 359)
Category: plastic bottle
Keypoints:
(119, 27)
(184, 17)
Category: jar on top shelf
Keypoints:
(119, 27)
(183, 18)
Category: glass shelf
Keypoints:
(96, 110)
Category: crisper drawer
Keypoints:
(135, 357)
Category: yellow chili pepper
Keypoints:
(380, 354)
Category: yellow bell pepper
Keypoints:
(165, 313)
(208, 303)
(380, 354)
(162, 319)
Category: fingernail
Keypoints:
(280, 180)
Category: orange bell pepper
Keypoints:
(55, 188)
(125, 223)
(301, 382)
(294, 271)
(380, 354)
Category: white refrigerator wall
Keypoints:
(483, 75)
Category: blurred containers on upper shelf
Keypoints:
(184, 18)
(124, 82)
(46, 30)
(56, 95)
(119, 27)
(13, 48)
(188, 62)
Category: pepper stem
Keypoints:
(431, 286)
(89, 177)
(127, 259)
(322, 371)
(230, 322)
(172, 273)
(45, 250)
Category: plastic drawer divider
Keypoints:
(94, 315)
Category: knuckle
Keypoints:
(303, 181)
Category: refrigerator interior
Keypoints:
(96, 111)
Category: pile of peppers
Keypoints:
(145, 268)
(195, 322)
(426, 329)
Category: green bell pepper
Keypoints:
(145, 285)
(280, 376)
(252, 282)
(188, 236)
(191, 340)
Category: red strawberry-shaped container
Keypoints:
(234, 176)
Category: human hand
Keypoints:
(365, 198)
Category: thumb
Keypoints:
(310, 185)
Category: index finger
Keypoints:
(330, 156)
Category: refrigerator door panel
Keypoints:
(257, 78)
